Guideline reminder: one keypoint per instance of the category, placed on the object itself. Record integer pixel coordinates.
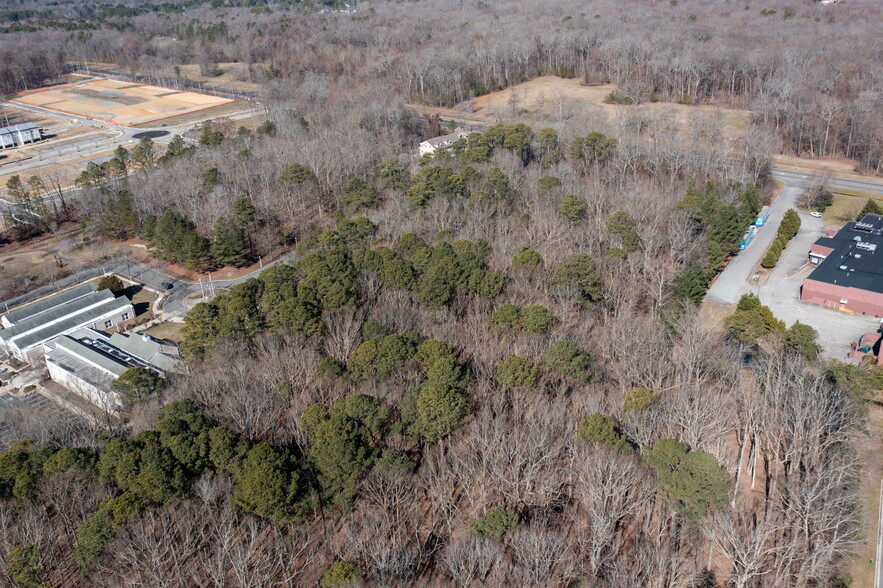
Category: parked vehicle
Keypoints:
(762, 217)
(747, 237)
(816, 214)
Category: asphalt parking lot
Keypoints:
(781, 293)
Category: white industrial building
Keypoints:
(20, 134)
(87, 362)
(29, 327)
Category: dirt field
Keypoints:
(553, 99)
(119, 102)
(233, 75)
(230, 78)
(64, 150)
(230, 109)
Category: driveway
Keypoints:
(782, 294)
(733, 281)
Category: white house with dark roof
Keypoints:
(62, 313)
(443, 142)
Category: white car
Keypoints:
(815, 214)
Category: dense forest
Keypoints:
(485, 366)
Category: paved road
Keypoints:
(152, 275)
(733, 281)
(802, 180)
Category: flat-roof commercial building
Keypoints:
(27, 328)
(87, 362)
(849, 272)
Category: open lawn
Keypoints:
(167, 330)
(846, 206)
(119, 102)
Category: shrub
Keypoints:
(92, 535)
(527, 258)
(537, 319)
(496, 523)
(508, 316)
(789, 227)
(579, 271)
(568, 359)
(573, 208)
(638, 399)
(112, 283)
(517, 372)
(138, 383)
(545, 184)
(597, 428)
(342, 573)
(330, 367)
(752, 320)
(801, 339)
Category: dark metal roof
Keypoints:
(63, 297)
(55, 313)
(857, 259)
(109, 307)
(92, 355)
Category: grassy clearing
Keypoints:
(143, 301)
(846, 206)
(872, 468)
(167, 330)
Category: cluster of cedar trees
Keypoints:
(723, 220)
(752, 321)
(718, 210)
(159, 466)
(174, 238)
(326, 275)
(787, 229)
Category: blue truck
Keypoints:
(762, 217)
(747, 237)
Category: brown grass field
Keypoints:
(117, 102)
(552, 99)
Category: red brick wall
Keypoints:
(830, 295)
